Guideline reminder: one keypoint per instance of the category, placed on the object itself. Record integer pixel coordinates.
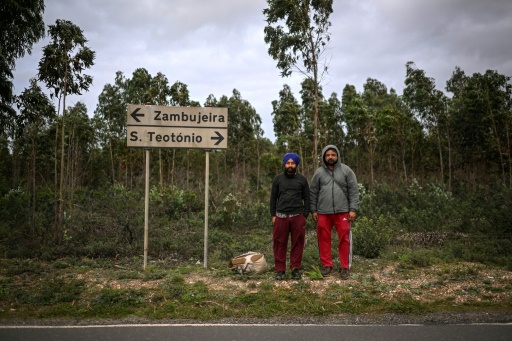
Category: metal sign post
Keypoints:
(206, 204)
(146, 211)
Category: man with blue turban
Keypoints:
(289, 208)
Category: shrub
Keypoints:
(419, 258)
(54, 290)
(371, 236)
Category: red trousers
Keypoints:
(283, 227)
(324, 233)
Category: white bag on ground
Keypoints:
(250, 262)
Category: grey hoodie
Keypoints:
(326, 196)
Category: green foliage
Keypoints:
(21, 266)
(235, 215)
(293, 47)
(314, 273)
(22, 25)
(53, 290)
(415, 208)
(173, 287)
(371, 236)
(15, 230)
(110, 224)
(310, 256)
(419, 258)
(406, 304)
(120, 297)
(481, 248)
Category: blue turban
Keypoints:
(292, 156)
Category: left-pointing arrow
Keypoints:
(135, 115)
(219, 137)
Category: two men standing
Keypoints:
(333, 199)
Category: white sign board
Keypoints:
(151, 126)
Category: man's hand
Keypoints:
(315, 216)
(273, 219)
(352, 216)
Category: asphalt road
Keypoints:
(249, 332)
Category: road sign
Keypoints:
(151, 126)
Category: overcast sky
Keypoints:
(215, 46)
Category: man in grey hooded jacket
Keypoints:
(334, 200)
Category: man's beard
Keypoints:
(331, 162)
(291, 170)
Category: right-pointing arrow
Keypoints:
(219, 137)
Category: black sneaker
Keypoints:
(326, 271)
(296, 274)
(280, 275)
(344, 273)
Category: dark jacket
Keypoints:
(290, 195)
(329, 196)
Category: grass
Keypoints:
(411, 283)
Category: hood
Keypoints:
(326, 148)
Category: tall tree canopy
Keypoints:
(300, 46)
(64, 59)
(21, 25)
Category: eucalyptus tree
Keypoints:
(141, 89)
(456, 85)
(375, 97)
(309, 106)
(352, 108)
(481, 106)
(331, 120)
(179, 94)
(399, 134)
(21, 25)
(260, 145)
(138, 87)
(35, 112)
(360, 113)
(430, 105)
(5, 165)
(160, 92)
(80, 143)
(286, 120)
(64, 60)
(301, 45)
(211, 101)
(159, 89)
(110, 118)
(242, 131)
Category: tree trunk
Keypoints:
(441, 162)
(404, 165)
(258, 170)
(315, 130)
(509, 153)
(172, 168)
(60, 229)
(112, 162)
(160, 170)
(449, 160)
(56, 179)
(33, 189)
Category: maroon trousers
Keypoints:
(283, 227)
